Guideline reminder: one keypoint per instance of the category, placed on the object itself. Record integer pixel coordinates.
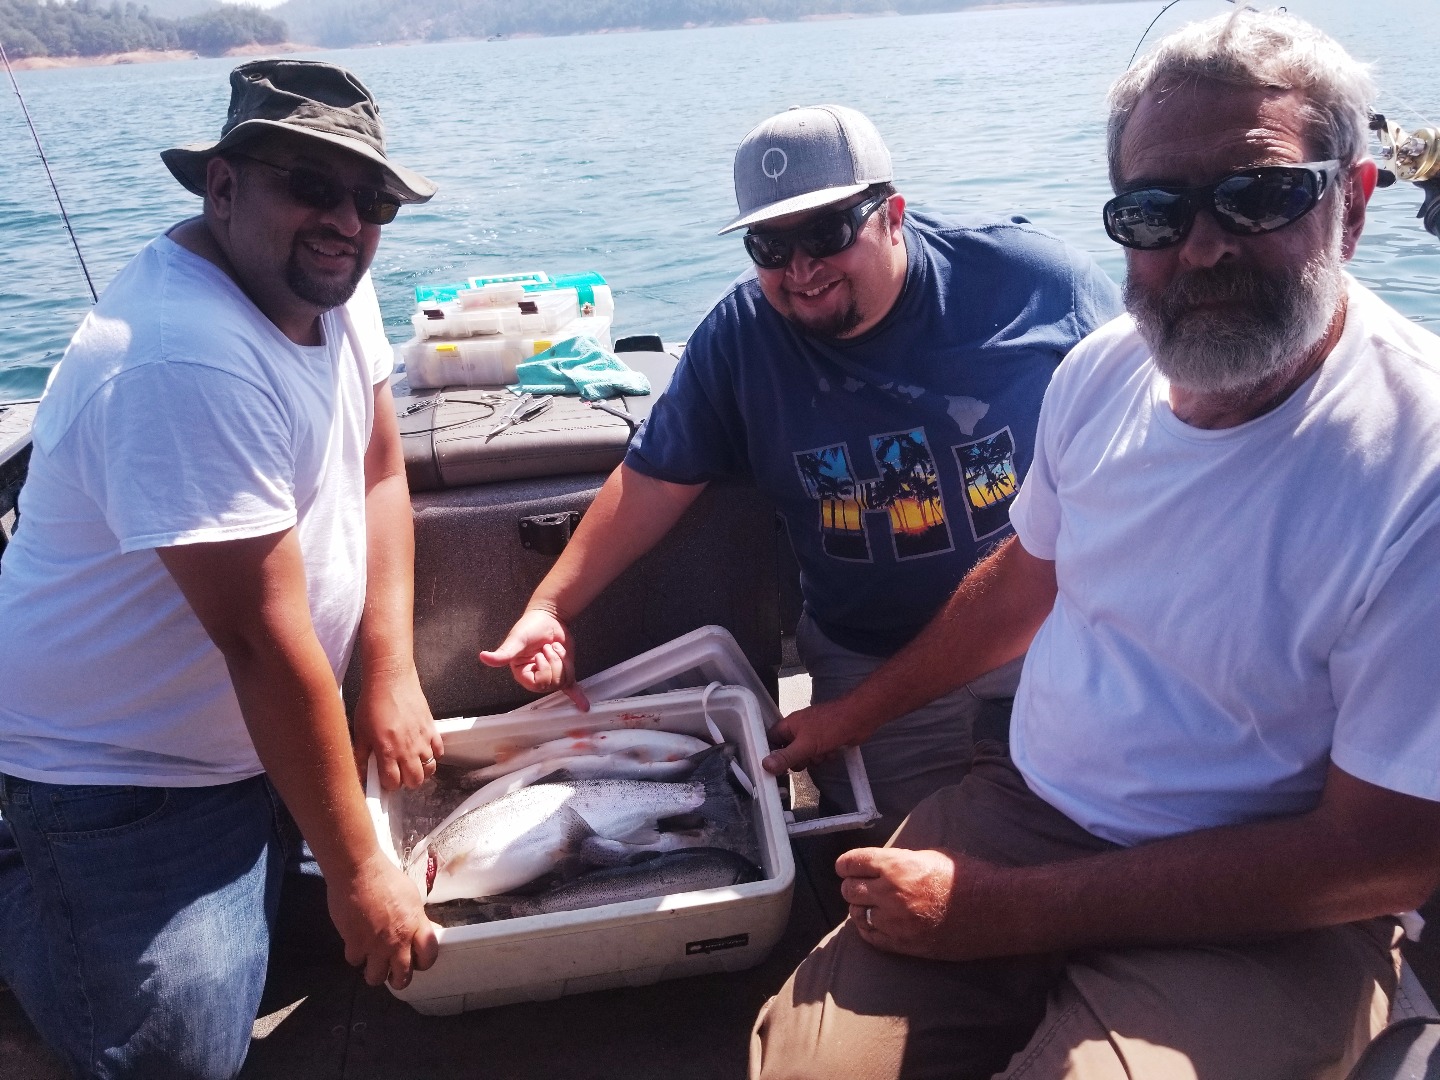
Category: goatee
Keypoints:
(324, 293)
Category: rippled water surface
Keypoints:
(613, 152)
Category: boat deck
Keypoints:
(319, 1021)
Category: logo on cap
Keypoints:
(774, 163)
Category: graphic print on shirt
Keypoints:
(907, 493)
(991, 480)
(828, 479)
(909, 490)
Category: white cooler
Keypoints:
(629, 944)
(537, 958)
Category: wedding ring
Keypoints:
(426, 762)
(868, 920)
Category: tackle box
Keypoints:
(489, 360)
(475, 332)
(540, 957)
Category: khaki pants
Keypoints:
(1293, 1007)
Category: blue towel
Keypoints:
(579, 365)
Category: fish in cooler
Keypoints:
(636, 752)
(522, 835)
(661, 875)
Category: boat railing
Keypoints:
(15, 420)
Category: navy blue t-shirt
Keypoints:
(893, 456)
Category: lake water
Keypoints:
(613, 152)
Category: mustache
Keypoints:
(1218, 285)
(330, 238)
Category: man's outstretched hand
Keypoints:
(813, 734)
(539, 653)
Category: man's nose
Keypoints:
(1207, 244)
(802, 265)
(343, 217)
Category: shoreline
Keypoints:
(154, 56)
(151, 56)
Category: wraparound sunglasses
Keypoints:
(1248, 201)
(821, 238)
(315, 189)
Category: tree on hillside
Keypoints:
(86, 28)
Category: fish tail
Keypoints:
(721, 804)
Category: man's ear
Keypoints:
(221, 178)
(895, 215)
(1359, 185)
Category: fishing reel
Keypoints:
(1412, 156)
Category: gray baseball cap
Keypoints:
(805, 158)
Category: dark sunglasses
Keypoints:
(821, 238)
(313, 188)
(1247, 202)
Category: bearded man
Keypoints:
(1220, 779)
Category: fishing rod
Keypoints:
(41, 150)
(1413, 156)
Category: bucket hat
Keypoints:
(302, 97)
(805, 158)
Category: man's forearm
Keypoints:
(250, 597)
(630, 514)
(296, 720)
(988, 621)
(1363, 852)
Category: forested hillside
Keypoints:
(357, 22)
(90, 27)
(85, 28)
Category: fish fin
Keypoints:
(602, 852)
(721, 803)
(556, 776)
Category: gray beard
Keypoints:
(1268, 323)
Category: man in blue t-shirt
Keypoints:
(880, 377)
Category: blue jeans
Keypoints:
(135, 922)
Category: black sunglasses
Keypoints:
(821, 238)
(313, 188)
(1248, 201)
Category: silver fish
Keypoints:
(641, 745)
(517, 838)
(663, 875)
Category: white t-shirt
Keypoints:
(1237, 608)
(179, 414)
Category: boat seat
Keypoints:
(1408, 1049)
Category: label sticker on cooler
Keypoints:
(715, 944)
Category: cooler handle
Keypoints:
(864, 813)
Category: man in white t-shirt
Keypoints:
(216, 514)
(1221, 772)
